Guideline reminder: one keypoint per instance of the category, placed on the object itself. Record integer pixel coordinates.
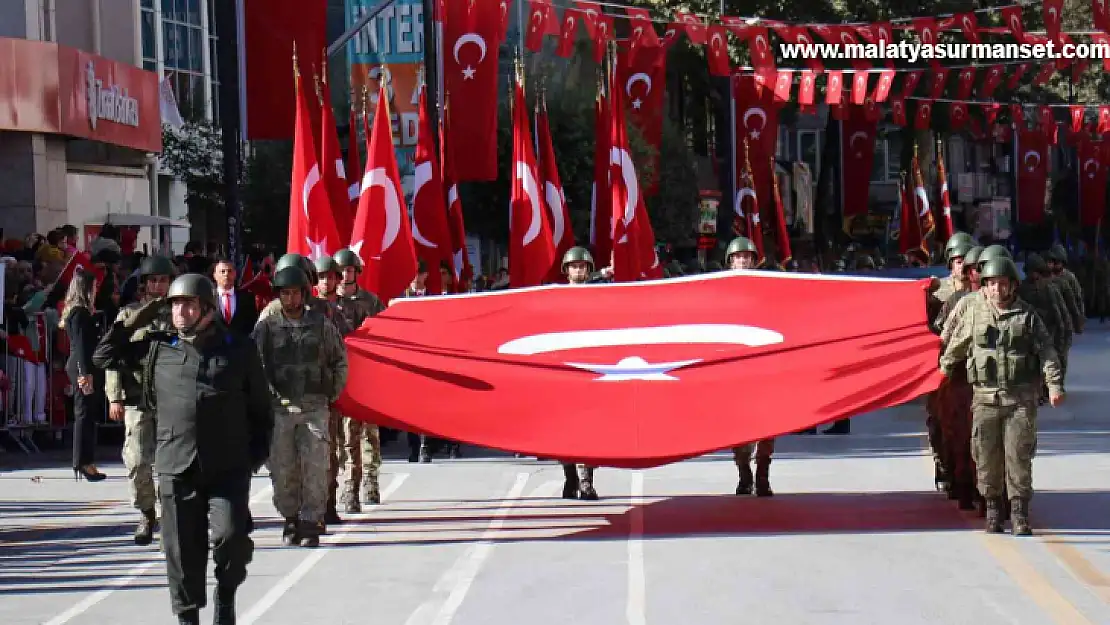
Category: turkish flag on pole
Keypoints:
(312, 230)
(1092, 182)
(562, 230)
(382, 235)
(1032, 164)
(643, 78)
(945, 200)
(464, 271)
(471, 31)
(430, 231)
(531, 250)
(909, 229)
(757, 119)
(601, 199)
(782, 235)
(335, 174)
(355, 168)
(428, 364)
(625, 194)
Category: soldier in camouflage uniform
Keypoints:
(327, 279)
(306, 365)
(1072, 295)
(1038, 291)
(124, 392)
(741, 254)
(362, 450)
(577, 266)
(957, 246)
(1007, 349)
(954, 395)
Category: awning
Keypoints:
(128, 219)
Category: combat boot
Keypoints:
(190, 617)
(965, 495)
(994, 516)
(586, 491)
(745, 485)
(940, 476)
(310, 533)
(570, 482)
(144, 531)
(763, 480)
(371, 494)
(224, 606)
(1019, 517)
(331, 517)
(289, 536)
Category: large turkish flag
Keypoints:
(673, 369)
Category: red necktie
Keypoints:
(227, 307)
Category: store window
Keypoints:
(183, 47)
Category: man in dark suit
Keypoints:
(236, 306)
(211, 401)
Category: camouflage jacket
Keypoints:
(359, 306)
(1071, 300)
(1006, 352)
(951, 313)
(948, 286)
(1039, 295)
(305, 359)
(1077, 287)
(1061, 309)
(125, 386)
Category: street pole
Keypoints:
(361, 23)
(227, 47)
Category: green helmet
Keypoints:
(347, 258)
(1057, 253)
(972, 256)
(577, 254)
(1035, 263)
(289, 260)
(325, 264)
(291, 278)
(958, 246)
(991, 252)
(740, 244)
(999, 267)
(960, 237)
(193, 285)
(155, 266)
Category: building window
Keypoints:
(149, 32)
(809, 150)
(183, 39)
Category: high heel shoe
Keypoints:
(92, 476)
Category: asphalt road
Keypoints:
(855, 534)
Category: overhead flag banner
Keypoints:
(390, 50)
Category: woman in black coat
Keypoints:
(83, 333)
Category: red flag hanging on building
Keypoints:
(562, 230)
(1092, 181)
(643, 79)
(471, 31)
(430, 232)
(757, 119)
(531, 250)
(1032, 168)
(428, 364)
(334, 170)
(382, 234)
(312, 229)
(857, 153)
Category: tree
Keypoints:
(194, 154)
(266, 193)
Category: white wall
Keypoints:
(91, 196)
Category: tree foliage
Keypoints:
(195, 156)
(266, 193)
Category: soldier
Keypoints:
(211, 403)
(577, 266)
(1039, 291)
(305, 362)
(305, 265)
(1057, 260)
(956, 248)
(363, 450)
(1006, 348)
(741, 254)
(123, 388)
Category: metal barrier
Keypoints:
(33, 391)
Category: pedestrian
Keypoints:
(1007, 349)
(79, 321)
(214, 424)
(124, 390)
(305, 362)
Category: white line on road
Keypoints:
(135, 573)
(549, 488)
(451, 589)
(637, 584)
(270, 598)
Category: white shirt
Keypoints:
(230, 295)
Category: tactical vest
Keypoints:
(298, 370)
(1003, 355)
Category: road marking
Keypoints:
(548, 489)
(1035, 585)
(451, 589)
(119, 582)
(637, 582)
(284, 584)
(1080, 567)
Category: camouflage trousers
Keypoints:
(1003, 443)
(139, 444)
(584, 473)
(742, 454)
(299, 462)
(359, 457)
(954, 416)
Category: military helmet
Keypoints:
(992, 252)
(959, 237)
(577, 254)
(972, 256)
(289, 260)
(1000, 267)
(958, 246)
(193, 285)
(1034, 262)
(326, 264)
(1057, 253)
(155, 266)
(738, 245)
(291, 278)
(347, 258)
